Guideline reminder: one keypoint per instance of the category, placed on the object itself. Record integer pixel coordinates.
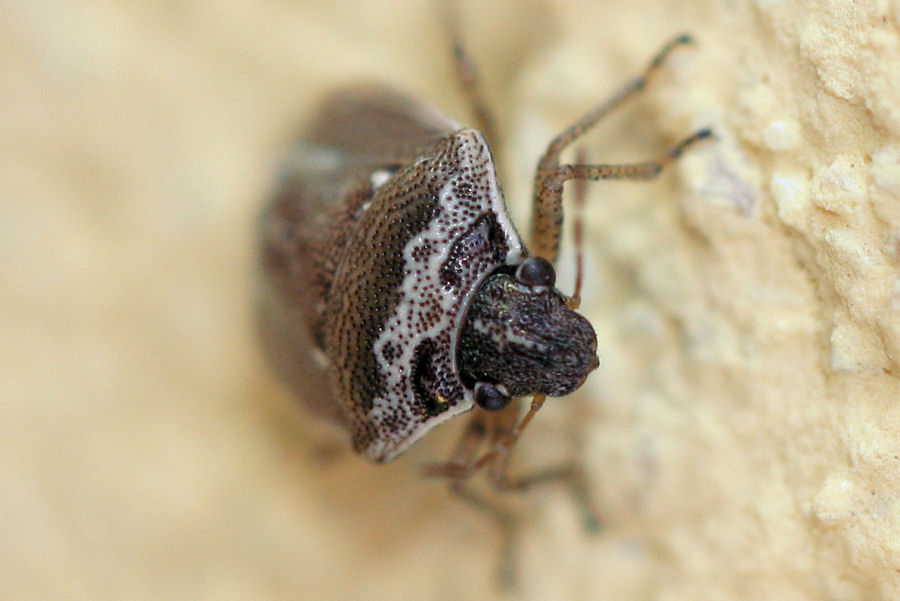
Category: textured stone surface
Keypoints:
(742, 434)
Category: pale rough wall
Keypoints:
(742, 435)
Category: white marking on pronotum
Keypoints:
(426, 275)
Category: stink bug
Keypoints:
(396, 292)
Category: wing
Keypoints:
(378, 126)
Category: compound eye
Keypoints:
(491, 397)
(535, 271)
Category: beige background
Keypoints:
(741, 436)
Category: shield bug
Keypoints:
(396, 292)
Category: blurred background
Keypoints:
(147, 453)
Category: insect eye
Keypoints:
(491, 397)
(535, 271)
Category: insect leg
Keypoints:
(574, 301)
(482, 428)
(467, 74)
(546, 218)
(491, 427)
(501, 432)
(506, 523)
(569, 474)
